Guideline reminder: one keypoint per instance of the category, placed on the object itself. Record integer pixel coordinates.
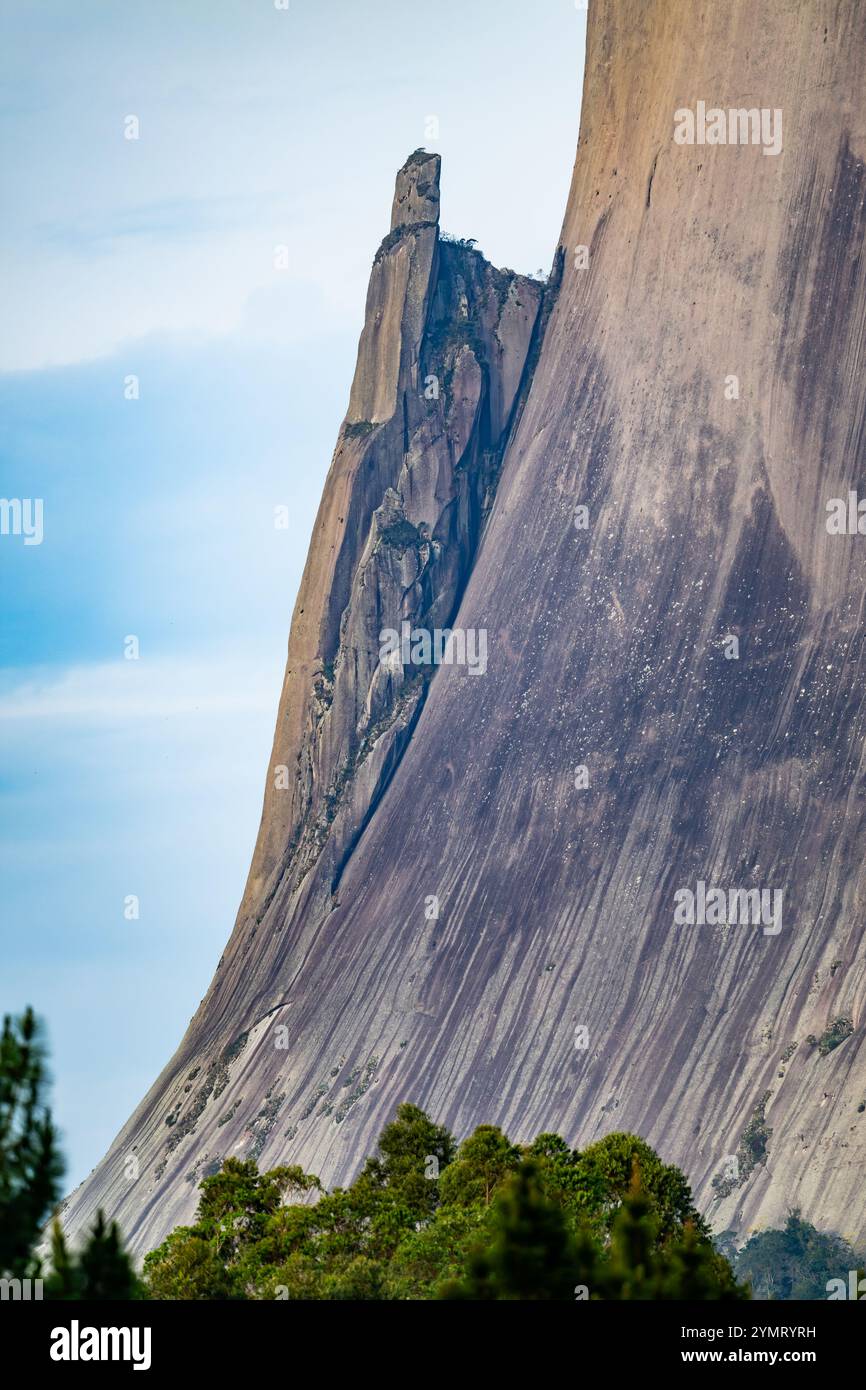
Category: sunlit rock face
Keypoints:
(533, 894)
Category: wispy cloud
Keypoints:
(169, 219)
(143, 690)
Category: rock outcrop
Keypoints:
(442, 361)
(457, 873)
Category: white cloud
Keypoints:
(146, 689)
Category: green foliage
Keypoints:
(645, 1265)
(484, 1160)
(491, 1220)
(437, 1254)
(100, 1272)
(694, 1271)
(751, 1150)
(30, 1171)
(593, 1184)
(469, 243)
(795, 1263)
(530, 1253)
(684, 1268)
(240, 1211)
(834, 1034)
(401, 1167)
(30, 1163)
(186, 1267)
(607, 1169)
(756, 1137)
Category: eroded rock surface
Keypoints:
(609, 650)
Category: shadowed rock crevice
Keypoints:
(439, 456)
(460, 869)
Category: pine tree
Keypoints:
(106, 1270)
(102, 1272)
(63, 1281)
(30, 1164)
(531, 1256)
(686, 1267)
(696, 1272)
(631, 1272)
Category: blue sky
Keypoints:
(258, 128)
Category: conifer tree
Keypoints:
(101, 1272)
(632, 1270)
(531, 1255)
(30, 1163)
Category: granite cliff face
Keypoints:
(458, 872)
(440, 363)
